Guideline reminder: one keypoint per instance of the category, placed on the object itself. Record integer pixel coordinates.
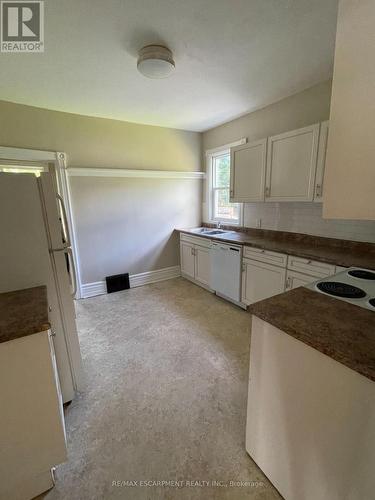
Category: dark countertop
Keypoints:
(343, 331)
(23, 312)
(331, 250)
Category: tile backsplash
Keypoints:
(306, 218)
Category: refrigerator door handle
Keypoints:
(73, 273)
(63, 211)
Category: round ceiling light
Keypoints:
(155, 61)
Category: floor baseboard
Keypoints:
(99, 287)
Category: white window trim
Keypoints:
(210, 154)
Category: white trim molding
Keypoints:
(33, 157)
(20, 154)
(123, 172)
(100, 288)
(93, 289)
(64, 189)
(207, 206)
(226, 147)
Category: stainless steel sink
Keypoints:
(216, 231)
(209, 231)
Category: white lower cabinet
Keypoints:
(195, 259)
(310, 420)
(264, 273)
(294, 280)
(187, 259)
(261, 280)
(302, 271)
(32, 428)
(310, 267)
(202, 264)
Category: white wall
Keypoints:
(127, 225)
(306, 218)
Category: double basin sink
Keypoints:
(209, 231)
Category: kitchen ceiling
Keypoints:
(232, 56)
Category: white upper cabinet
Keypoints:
(320, 167)
(349, 184)
(291, 165)
(248, 171)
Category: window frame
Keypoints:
(19, 168)
(211, 156)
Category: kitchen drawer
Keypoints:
(275, 258)
(310, 267)
(195, 240)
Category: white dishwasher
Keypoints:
(226, 270)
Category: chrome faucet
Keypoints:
(218, 224)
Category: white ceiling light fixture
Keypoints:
(155, 61)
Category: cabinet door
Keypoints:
(32, 433)
(187, 259)
(310, 267)
(294, 280)
(247, 171)
(291, 165)
(260, 281)
(202, 265)
(321, 163)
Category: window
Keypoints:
(24, 169)
(221, 208)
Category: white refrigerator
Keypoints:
(35, 250)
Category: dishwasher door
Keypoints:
(226, 270)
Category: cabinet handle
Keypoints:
(243, 267)
(192, 251)
(288, 283)
(318, 190)
(267, 191)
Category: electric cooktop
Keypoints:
(355, 285)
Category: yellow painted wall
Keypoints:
(307, 107)
(123, 224)
(99, 142)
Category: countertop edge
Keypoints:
(274, 248)
(23, 313)
(43, 328)
(350, 359)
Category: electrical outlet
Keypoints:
(259, 223)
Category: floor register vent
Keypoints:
(117, 282)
